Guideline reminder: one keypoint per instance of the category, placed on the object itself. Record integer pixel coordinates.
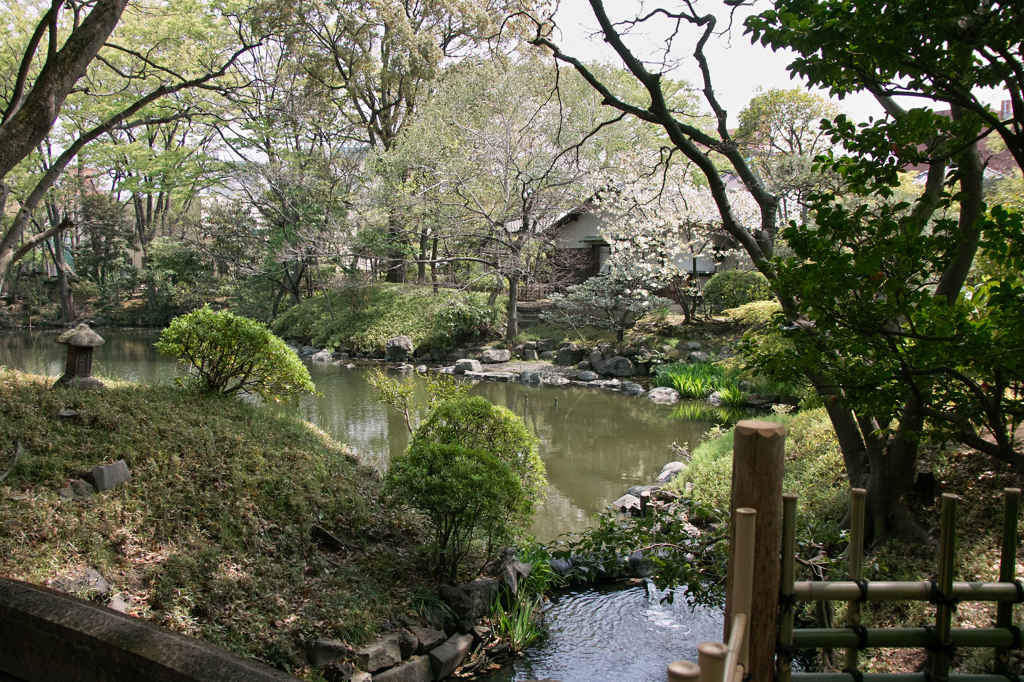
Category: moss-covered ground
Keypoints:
(214, 535)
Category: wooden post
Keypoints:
(645, 500)
(855, 557)
(683, 671)
(944, 612)
(1007, 572)
(758, 453)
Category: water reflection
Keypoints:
(595, 444)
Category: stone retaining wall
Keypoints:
(46, 635)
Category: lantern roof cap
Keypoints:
(81, 336)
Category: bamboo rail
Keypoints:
(877, 590)
(940, 639)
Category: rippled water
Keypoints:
(613, 634)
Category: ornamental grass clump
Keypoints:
(692, 380)
(231, 354)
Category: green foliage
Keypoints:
(366, 316)
(732, 396)
(178, 280)
(228, 354)
(814, 467)
(733, 288)
(605, 302)
(399, 394)
(477, 424)
(693, 380)
(758, 313)
(518, 625)
(674, 556)
(542, 578)
(216, 517)
(464, 319)
(462, 492)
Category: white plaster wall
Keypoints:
(586, 225)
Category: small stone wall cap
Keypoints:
(81, 336)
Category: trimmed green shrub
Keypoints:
(477, 424)
(461, 492)
(465, 319)
(732, 288)
(231, 354)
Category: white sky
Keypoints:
(737, 67)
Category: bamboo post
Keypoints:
(757, 461)
(711, 661)
(744, 522)
(733, 664)
(855, 557)
(787, 610)
(1007, 572)
(944, 611)
(683, 671)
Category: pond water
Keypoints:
(595, 444)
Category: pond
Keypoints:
(595, 444)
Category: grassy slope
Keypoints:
(367, 316)
(212, 535)
(814, 466)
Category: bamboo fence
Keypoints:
(940, 639)
(718, 662)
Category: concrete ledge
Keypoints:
(47, 635)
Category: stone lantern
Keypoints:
(78, 373)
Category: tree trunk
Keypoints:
(293, 282)
(277, 300)
(512, 327)
(67, 303)
(421, 269)
(396, 256)
(687, 318)
(433, 266)
(493, 298)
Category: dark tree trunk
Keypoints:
(293, 282)
(67, 303)
(433, 266)
(421, 274)
(512, 327)
(277, 300)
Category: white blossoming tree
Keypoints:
(658, 228)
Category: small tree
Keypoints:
(228, 354)
(461, 492)
(477, 424)
(606, 302)
(399, 394)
